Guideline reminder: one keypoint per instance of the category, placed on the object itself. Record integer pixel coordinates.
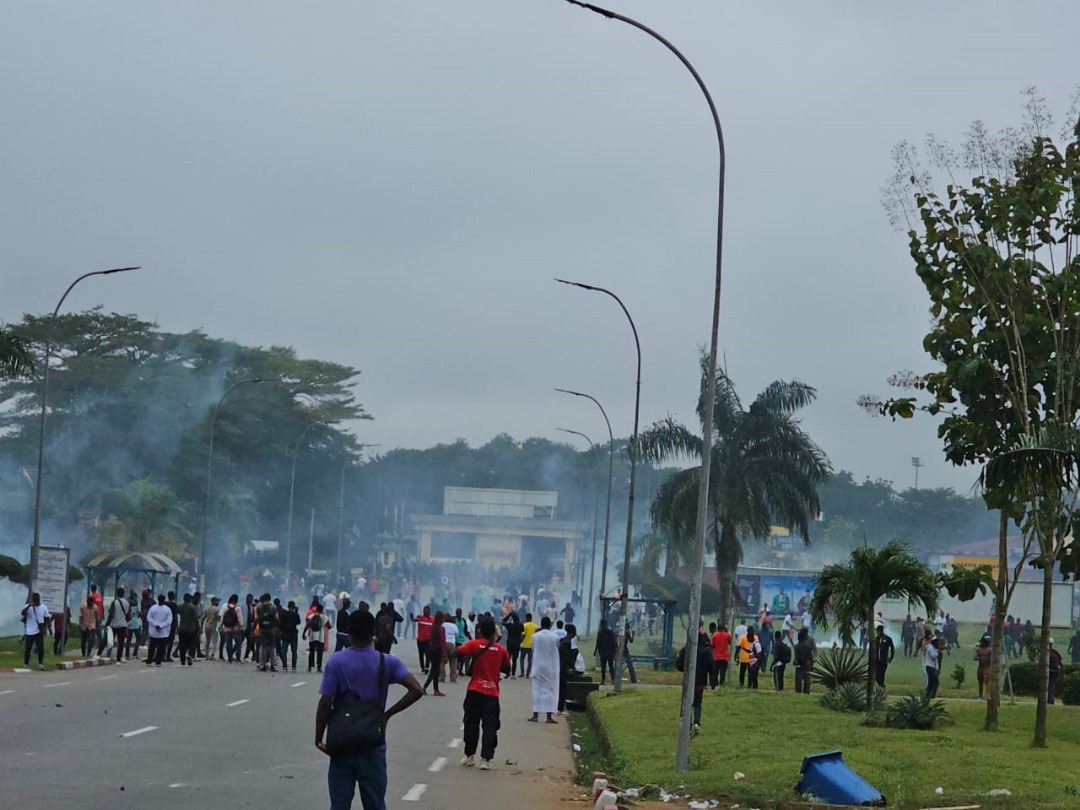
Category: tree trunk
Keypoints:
(997, 648)
(871, 665)
(1044, 646)
(724, 532)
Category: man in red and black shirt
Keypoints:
(489, 661)
(423, 635)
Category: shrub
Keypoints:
(916, 711)
(1025, 678)
(1069, 688)
(851, 697)
(834, 668)
(958, 675)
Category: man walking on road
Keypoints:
(35, 618)
(159, 621)
(528, 630)
(354, 674)
(119, 616)
(267, 617)
(545, 672)
(423, 635)
(187, 622)
(210, 626)
(481, 707)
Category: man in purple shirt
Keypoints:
(355, 671)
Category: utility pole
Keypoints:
(916, 462)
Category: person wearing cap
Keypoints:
(1054, 667)
(210, 626)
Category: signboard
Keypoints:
(780, 591)
(51, 580)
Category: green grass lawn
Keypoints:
(11, 652)
(765, 734)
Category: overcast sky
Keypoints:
(393, 185)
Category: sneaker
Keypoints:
(41, 667)
(485, 765)
(469, 761)
(294, 669)
(273, 669)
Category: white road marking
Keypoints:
(139, 731)
(437, 765)
(414, 793)
(7, 692)
(54, 685)
(144, 671)
(177, 784)
(106, 677)
(238, 702)
(298, 683)
(454, 743)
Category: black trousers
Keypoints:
(778, 676)
(607, 663)
(315, 653)
(481, 711)
(34, 642)
(155, 652)
(188, 645)
(120, 642)
(718, 673)
(802, 679)
(421, 650)
(285, 645)
(879, 674)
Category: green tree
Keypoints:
(847, 592)
(999, 260)
(15, 357)
(766, 470)
(145, 516)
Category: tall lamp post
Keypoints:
(34, 548)
(292, 492)
(682, 753)
(610, 476)
(210, 475)
(595, 529)
(624, 604)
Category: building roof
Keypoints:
(525, 524)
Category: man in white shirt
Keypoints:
(808, 622)
(159, 620)
(35, 617)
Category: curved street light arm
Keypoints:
(41, 419)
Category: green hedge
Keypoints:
(1025, 678)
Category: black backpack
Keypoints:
(315, 623)
(230, 619)
(782, 653)
(680, 660)
(266, 616)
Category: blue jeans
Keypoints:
(366, 771)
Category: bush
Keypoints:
(851, 697)
(1025, 678)
(917, 712)
(1069, 688)
(834, 668)
(958, 675)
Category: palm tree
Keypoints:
(15, 357)
(848, 591)
(765, 471)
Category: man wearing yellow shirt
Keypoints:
(526, 646)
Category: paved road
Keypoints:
(227, 736)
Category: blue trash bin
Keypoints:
(827, 777)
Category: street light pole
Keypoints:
(209, 477)
(341, 508)
(682, 754)
(41, 419)
(624, 603)
(595, 530)
(292, 492)
(610, 476)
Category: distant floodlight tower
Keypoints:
(916, 462)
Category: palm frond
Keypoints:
(667, 440)
(15, 357)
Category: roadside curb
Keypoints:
(92, 662)
(16, 670)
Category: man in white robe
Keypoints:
(545, 672)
